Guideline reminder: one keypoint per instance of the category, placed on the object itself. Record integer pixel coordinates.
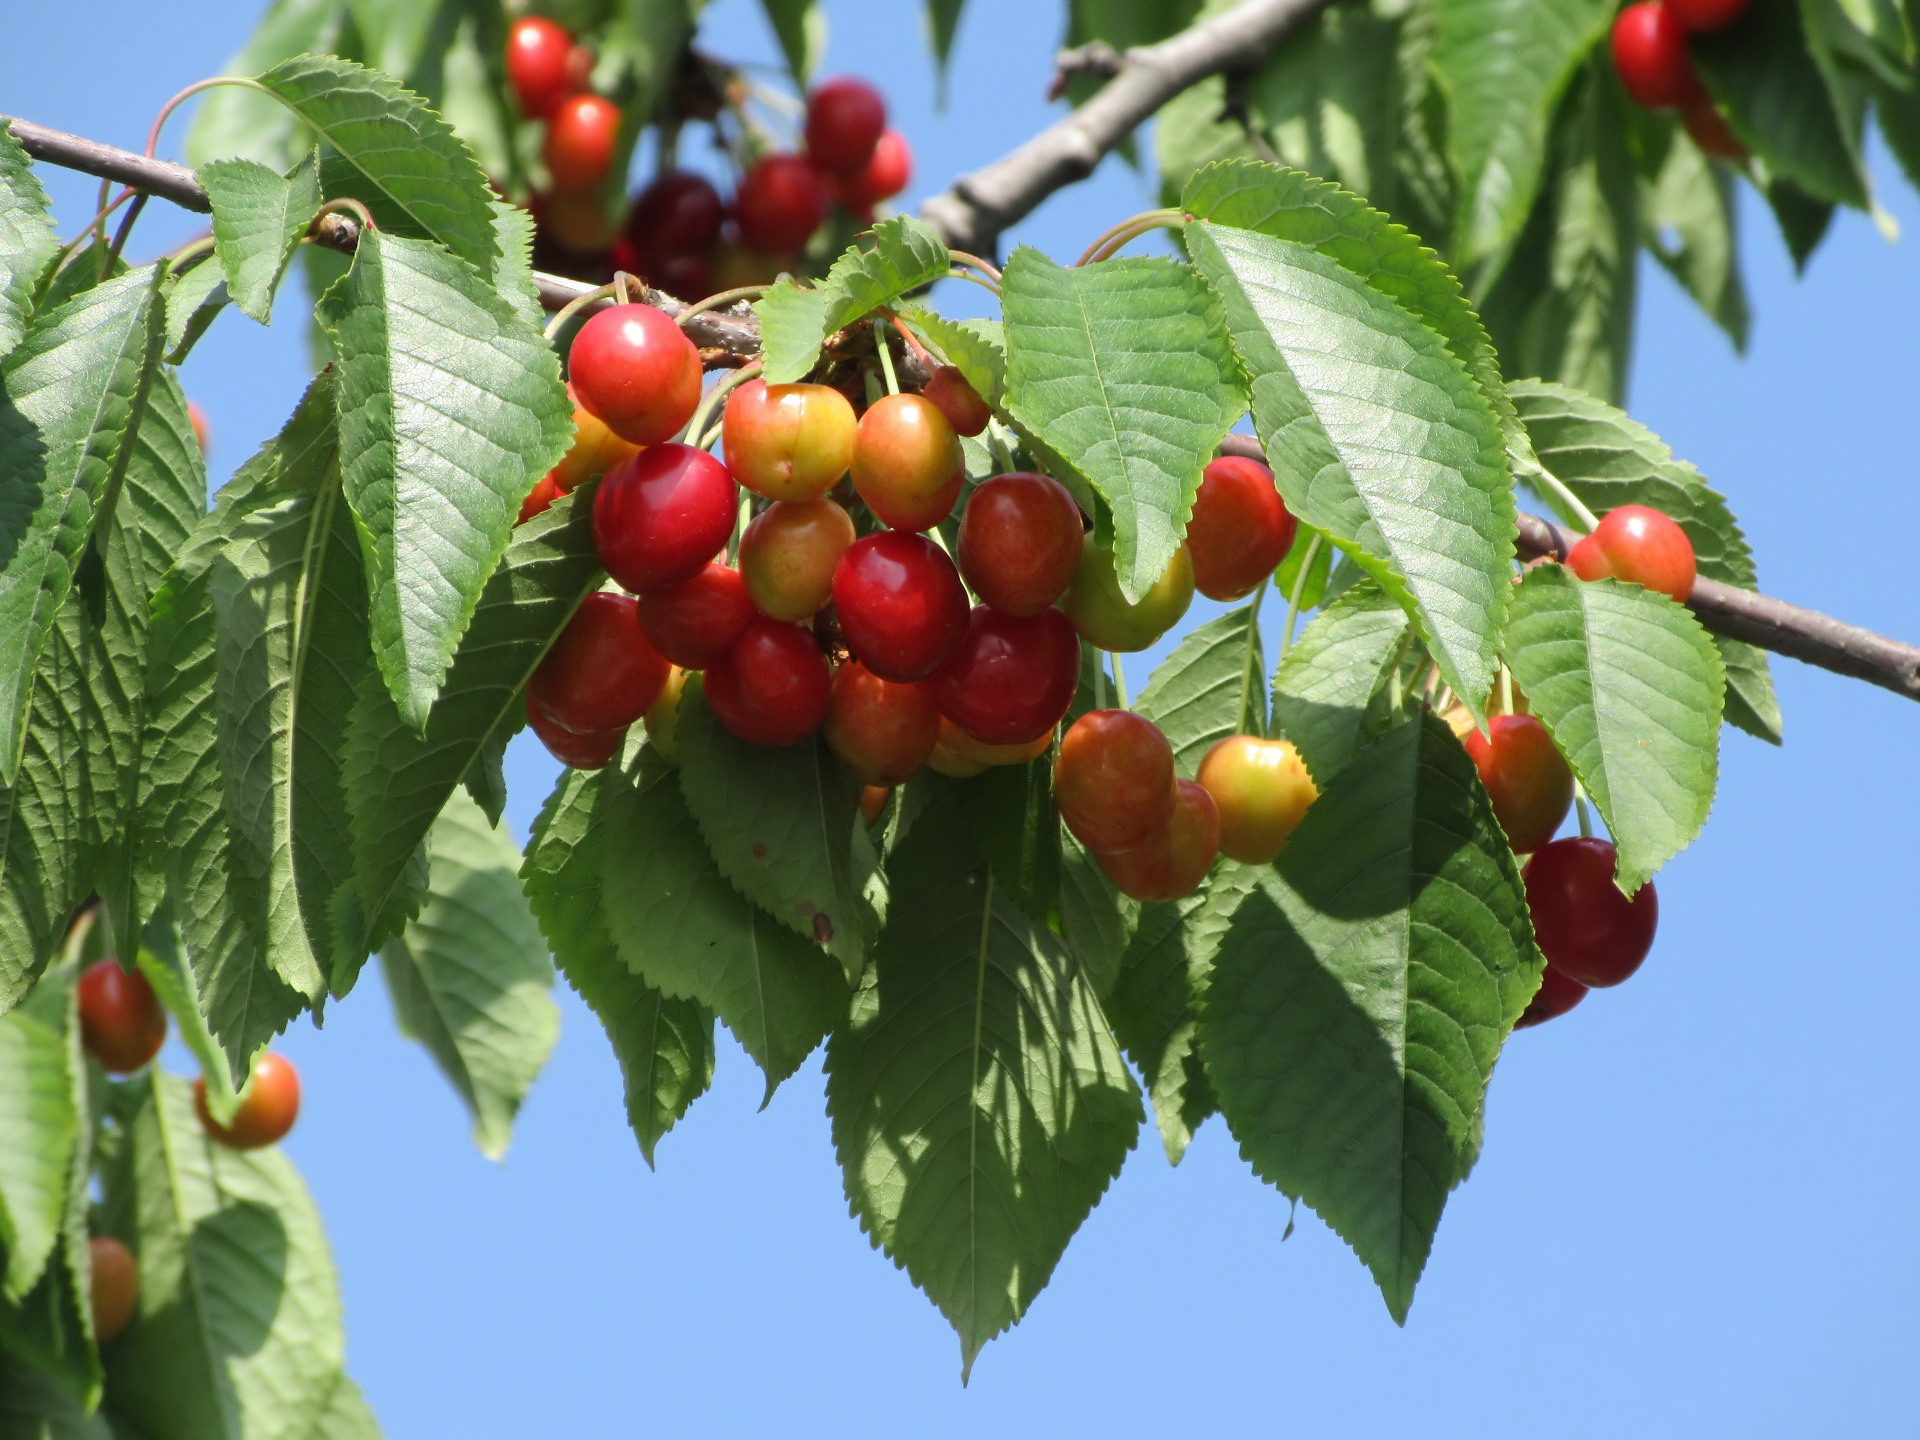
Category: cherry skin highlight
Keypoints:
(1113, 780)
(884, 177)
(695, 622)
(772, 687)
(539, 65)
(1262, 790)
(789, 553)
(587, 751)
(1012, 678)
(1526, 778)
(880, 730)
(845, 119)
(1240, 531)
(580, 141)
(269, 1104)
(636, 369)
(907, 463)
(787, 442)
(1650, 53)
(1174, 862)
(1587, 929)
(595, 449)
(1103, 615)
(901, 606)
(1637, 544)
(1020, 539)
(1703, 15)
(661, 516)
(678, 215)
(958, 755)
(1557, 995)
(122, 1023)
(114, 1286)
(780, 203)
(948, 391)
(602, 673)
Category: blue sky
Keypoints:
(1695, 1211)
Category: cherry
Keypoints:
(1012, 678)
(1101, 613)
(114, 1286)
(679, 214)
(789, 553)
(1650, 52)
(663, 720)
(269, 1104)
(960, 756)
(845, 118)
(122, 1024)
(772, 687)
(1637, 544)
(1709, 130)
(595, 449)
(873, 800)
(545, 491)
(1557, 995)
(661, 516)
(580, 142)
(1262, 789)
(734, 265)
(1020, 540)
(202, 428)
(636, 369)
(1526, 778)
(884, 177)
(695, 622)
(787, 442)
(1240, 531)
(1174, 862)
(907, 463)
(1702, 15)
(901, 606)
(780, 203)
(880, 730)
(587, 751)
(540, 65)
(577, 220)
(689, 277)
(1113, 780)
(951, 393)
(602, 673)
(1587, 929)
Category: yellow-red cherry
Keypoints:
(845, 119)
(952, 394)
(1020, 539)
(587, 751)
(1113, 780)
(1241, 529)
(881, 730)
(789, 553)
(780, 203)
(1639, 544)
(958, 755)
(1262, 788)
(661, 516)
(122, 1023)
(1105, 616)
(602, 672)
(595, 449)
(1174, 862)
(907, 463)
(269, 1104)
(901, 606)
(1011, 678)
(581, 137)
(113, 1288)
(540, 65)
(635, 369)
(695, 622)
(1557, 994)
(787, 442)
(1525, 776)
(1587, 929)
(772, 685)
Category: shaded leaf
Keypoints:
(943, 22)
(39, 1134)
(1017, 828)
(239, 121)
(1096, 920)
(28, 240)
(976, 348)
(163, 960)
(258, 219)
(903, 255)
(801, 30)
(1324, 686)
(1212, 686)
(1690, 224)
(195, 298)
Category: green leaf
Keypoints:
(195, 297)
(979, 1106)
(393, 33)
(407, 165)
(469, 975)
(905, 255)
(1689, 223)
(346, 1415)
(39, 1135)
(1361, 995)
(1096, 921)
(69, 395)
(1630, 687)
(1192, 131)
(1313, 553)
(1331, 100)
(1017, 828)
(236, 120)
(976, 348)
(34, 1407)
(1212, 686)
(783, 824)
(1803, 220)
(28, 240)
(163, 960)
(1324, 686)
(451, 409)
(1378, 436)
(1504, 65)
(1609, 459)
(258, 219)
(943, 22)
(802, 32)
(664, 1046)
(1126, 370)
(793, 321)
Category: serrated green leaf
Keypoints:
(1192, 131)
(793, 321)
(27, 239)
(513, 277)
(783, 825)
(163, 960)
(1097, 922)
(903, 255)
(976, 348)
(1378, 436)
(664, 1045)
(69, 395)
(979, 1106)
(393, 33)
(1017, 827)
(39, 1133)
(346, 1415)
(943, 22)
(1689, 222)
(1330, 100)
(1362, 992)
(1630, 687)
(258, 219)
(239, 121)
(1212, 686)
(1126, 370)
(34, 1407)
(801, 30)
(195, 298)
(1323, 686)
(451, 409)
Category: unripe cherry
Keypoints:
(1174, 862)
(588, 751)
(1638, 544)
(636, 369)
(1262, 789)
(1650, 54)
(1102, 614)
(772, 687)
(780, 203)
(1525, 777)
(901, 606)
(661, 516)
(695, 622)
(881, 730)
(1240, 531)
(789, 553)
(1587, 929)
(845, 118)
(788, 442)
(595, 449)
(269, 1104)
(907, 463)
(1020, 540)
(602, 673)
(951, 393)
(1011, 678)
(113, 1289)
(580, 142)
(122, 1023)
(1557, 994)
(958, 755)
(1113, 780)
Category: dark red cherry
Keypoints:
(780, 203)
(771, 687)
(693, 623)
(1587, 929)
(678, 214)
(602, 673)
(1557, 995)
(661, 516)
(902, 608)
(1526, 778)
(583, 752)
(845, 117)
(1020, 539)
(1240, 531)
(1011, 679)
(952, 395)
(122, 1024)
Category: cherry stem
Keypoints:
(998, 443)
(573, 307)
(974, 262)
(696, 426)
(1246, 658)
(1506, 690)
(1556, 489)
(1120, 682)
(126, 229)
(927, 362)
(1299, 593)
(980, 280)
(1110, 240)
(1580, 804)
(190, 254)
(886, 356)
(347, 203)
(94, 227)
(719, 302)
(153, 134)
(621, 287)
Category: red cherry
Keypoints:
(661, 516)
(580, 142)
(602, 673)
(1650, 52)
(114, 1288)
(595, 450)
(1557, 995)
(1174, 862)
(789, 554)
(780, 203)
(1709, 130)
(845, 118)
(1240, 531)
(269, 1104)
(950, 393)
(539, 65)
(771, 688)
(873, 800)
(695, 622)
(1706, 14)
(583, 752)
(1526, 778)
(1587, 929)
(545, 491)
(202, 427)
(902, 608)
(1637, 544)
(122, 1024)
(884, 177)
(1012, 678)
(1262, 789)
(678, 214)
(907, 463)
(1113, 780)
(880, 730)
(636, 369)
(1020, 539)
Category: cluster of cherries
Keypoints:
(123, 1026)
(678, 233)
(1650, 53)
